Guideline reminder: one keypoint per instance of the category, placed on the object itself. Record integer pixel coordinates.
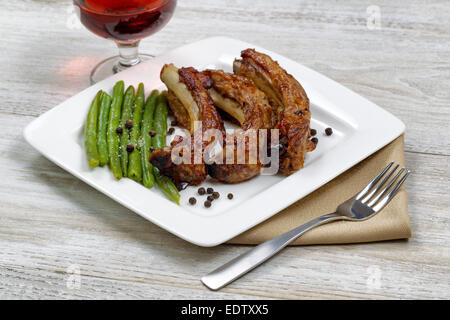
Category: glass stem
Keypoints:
(129, 55)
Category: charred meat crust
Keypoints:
(253, 103)
(193, 174)
(178, 110)
(233, 173)
(209, 115)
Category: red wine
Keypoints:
(125, 20)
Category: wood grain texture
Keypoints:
(50, 221)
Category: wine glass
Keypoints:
(126, 22)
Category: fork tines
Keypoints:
(374, 194)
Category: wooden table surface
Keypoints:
(60, 238)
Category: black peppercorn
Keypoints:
(313, 132)
(119, 130)
(230, 196)
(210, 190)
(207, 203)
(201, 191)
(130, 148)
(216, 195)
(210, 198)
(129, 124)
(152, 133)
(328, 131)
(315, 140)
(173, 123)
(192, 200)
(171, 131)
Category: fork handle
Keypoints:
(256, 256)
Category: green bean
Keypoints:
(103, 117)
(160, 122)
(134, 165)
(113, 124)
(127, 113)
(167, 186)
(159, 141)
(146, 141)
(90, 141)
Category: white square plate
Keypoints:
(360, 128)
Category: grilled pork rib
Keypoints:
(240, 98)
(260, 95)
(186, 86)
(234, 94)
(289, 102)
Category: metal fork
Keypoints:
(364, 205)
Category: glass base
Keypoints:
(111, 66)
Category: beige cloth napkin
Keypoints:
(391, 223)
